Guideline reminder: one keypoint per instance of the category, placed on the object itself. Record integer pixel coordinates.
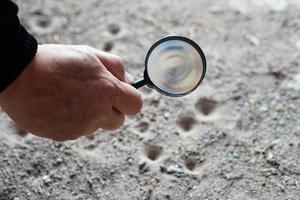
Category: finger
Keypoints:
(113, 63)
(114, 120)
(128, 78)
(129, 100)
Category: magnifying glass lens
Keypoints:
(175, 67)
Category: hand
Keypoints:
(70, 91)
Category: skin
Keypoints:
(70, 91)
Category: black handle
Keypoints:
(139, 83)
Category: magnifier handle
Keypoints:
(139, 83)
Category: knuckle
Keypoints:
(120, 63)
(108, 88)
(85, 47)
(119, 60)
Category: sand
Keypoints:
(236, 137)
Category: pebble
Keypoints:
(297, 131)
(232, 176)
(143, 168)
(253, 40)
(263, 108)
(174, 169)
(215, 9)
(166, 115)
(298, 44)
(58, 161)
(274, 115)
(147, 195)
(46, 179)
(295, 83)
(129, 160)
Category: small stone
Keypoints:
(129, 160)
(297, 131)
(271, 161)
(46, 179)
(58, 161)
(295, 83)
(253, 40)
(82, 189)
(232, 176)
(274, 115)
(166, 115)
(147, 195)
(263, 109)
(282, 122)
(143, 168)
(215, 9)
(173, 169)
(298, 44)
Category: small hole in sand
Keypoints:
(143, 126)
(90, 146)
(278, 74)
(206, 106)
(108, 46)
(37, 12)
(114, 29)
(43, 22)
(90, 137)
(186, 122)
(190, 164)
(154, 102)
(153, 152)
(21, 132)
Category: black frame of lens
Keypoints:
(148, 81)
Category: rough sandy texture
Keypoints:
(237, 137)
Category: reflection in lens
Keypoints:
(175, 67)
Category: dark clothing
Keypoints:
(17, 46)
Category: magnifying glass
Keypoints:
(174, 66)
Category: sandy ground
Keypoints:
(237, 137)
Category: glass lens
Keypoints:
(175, 67)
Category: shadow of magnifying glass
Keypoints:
(174, 66)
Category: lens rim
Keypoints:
(181, 38)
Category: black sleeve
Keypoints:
(17, 46)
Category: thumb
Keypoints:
(129, 100)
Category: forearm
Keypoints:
(17, 46)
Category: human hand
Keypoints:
(70, 91)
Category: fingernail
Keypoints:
(128, 78)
